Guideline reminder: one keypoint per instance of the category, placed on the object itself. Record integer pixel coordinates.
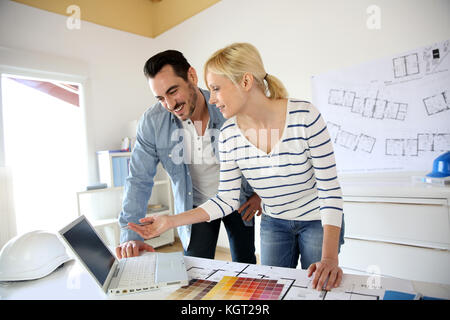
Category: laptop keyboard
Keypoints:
(139, 272)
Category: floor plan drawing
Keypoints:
(294, 283)
(425, 142)
(402, 147)
(433, 142)
(434, 55)
(349, 140)
(368, 107)
(437, 103)
(406, 65)
(389, 114)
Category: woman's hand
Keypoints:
(154, 226)
(323, 270)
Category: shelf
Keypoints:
(100, 190)
(105, 222)
(162, 240)
(156, 183)
(112, 221)
(158, 213)
(103, 206)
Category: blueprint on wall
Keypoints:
(392, 114)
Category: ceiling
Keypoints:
(148, 18)
(66, 92)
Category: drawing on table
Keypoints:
(205, 274)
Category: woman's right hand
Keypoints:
(156, 225)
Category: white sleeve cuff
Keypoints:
(331, 217)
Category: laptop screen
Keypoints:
(90, 248)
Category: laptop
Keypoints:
(129, 275)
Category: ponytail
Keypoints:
(275, 89)
(236, 59)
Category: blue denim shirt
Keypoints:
(159, 138)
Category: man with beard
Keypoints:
(181, 131)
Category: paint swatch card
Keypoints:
(229, 288)
(196, 290)
(239, 288)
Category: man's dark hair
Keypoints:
(172, 57)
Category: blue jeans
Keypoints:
(204, 237)
(283, 241)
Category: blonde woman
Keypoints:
(282, 147)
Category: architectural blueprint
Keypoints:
(296, 284)
(392, 114)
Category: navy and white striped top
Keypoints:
(297, 180)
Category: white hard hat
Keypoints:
(31, 256)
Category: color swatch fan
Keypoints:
(196, 290)
(229, 288)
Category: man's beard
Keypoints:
(193, 100)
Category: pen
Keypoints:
(139, 224)
(324, 291)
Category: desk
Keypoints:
(72, 282)
(398, 226)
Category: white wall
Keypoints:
(300, 38)
(117, 91)
(296, 38)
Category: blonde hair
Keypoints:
(237, 59)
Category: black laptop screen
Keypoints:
(90, 248)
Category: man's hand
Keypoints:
(132, 248)
(253, 206)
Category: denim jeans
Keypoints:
(204, 237)
(283, 241)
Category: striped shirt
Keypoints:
(297, 180)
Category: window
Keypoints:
(45, 148)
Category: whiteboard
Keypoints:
(392, 114)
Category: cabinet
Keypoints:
(396, 227)
(103, 206)
(113, 167)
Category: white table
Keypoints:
(73, 282)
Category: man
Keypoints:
(181, 131)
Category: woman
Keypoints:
(284, 151)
